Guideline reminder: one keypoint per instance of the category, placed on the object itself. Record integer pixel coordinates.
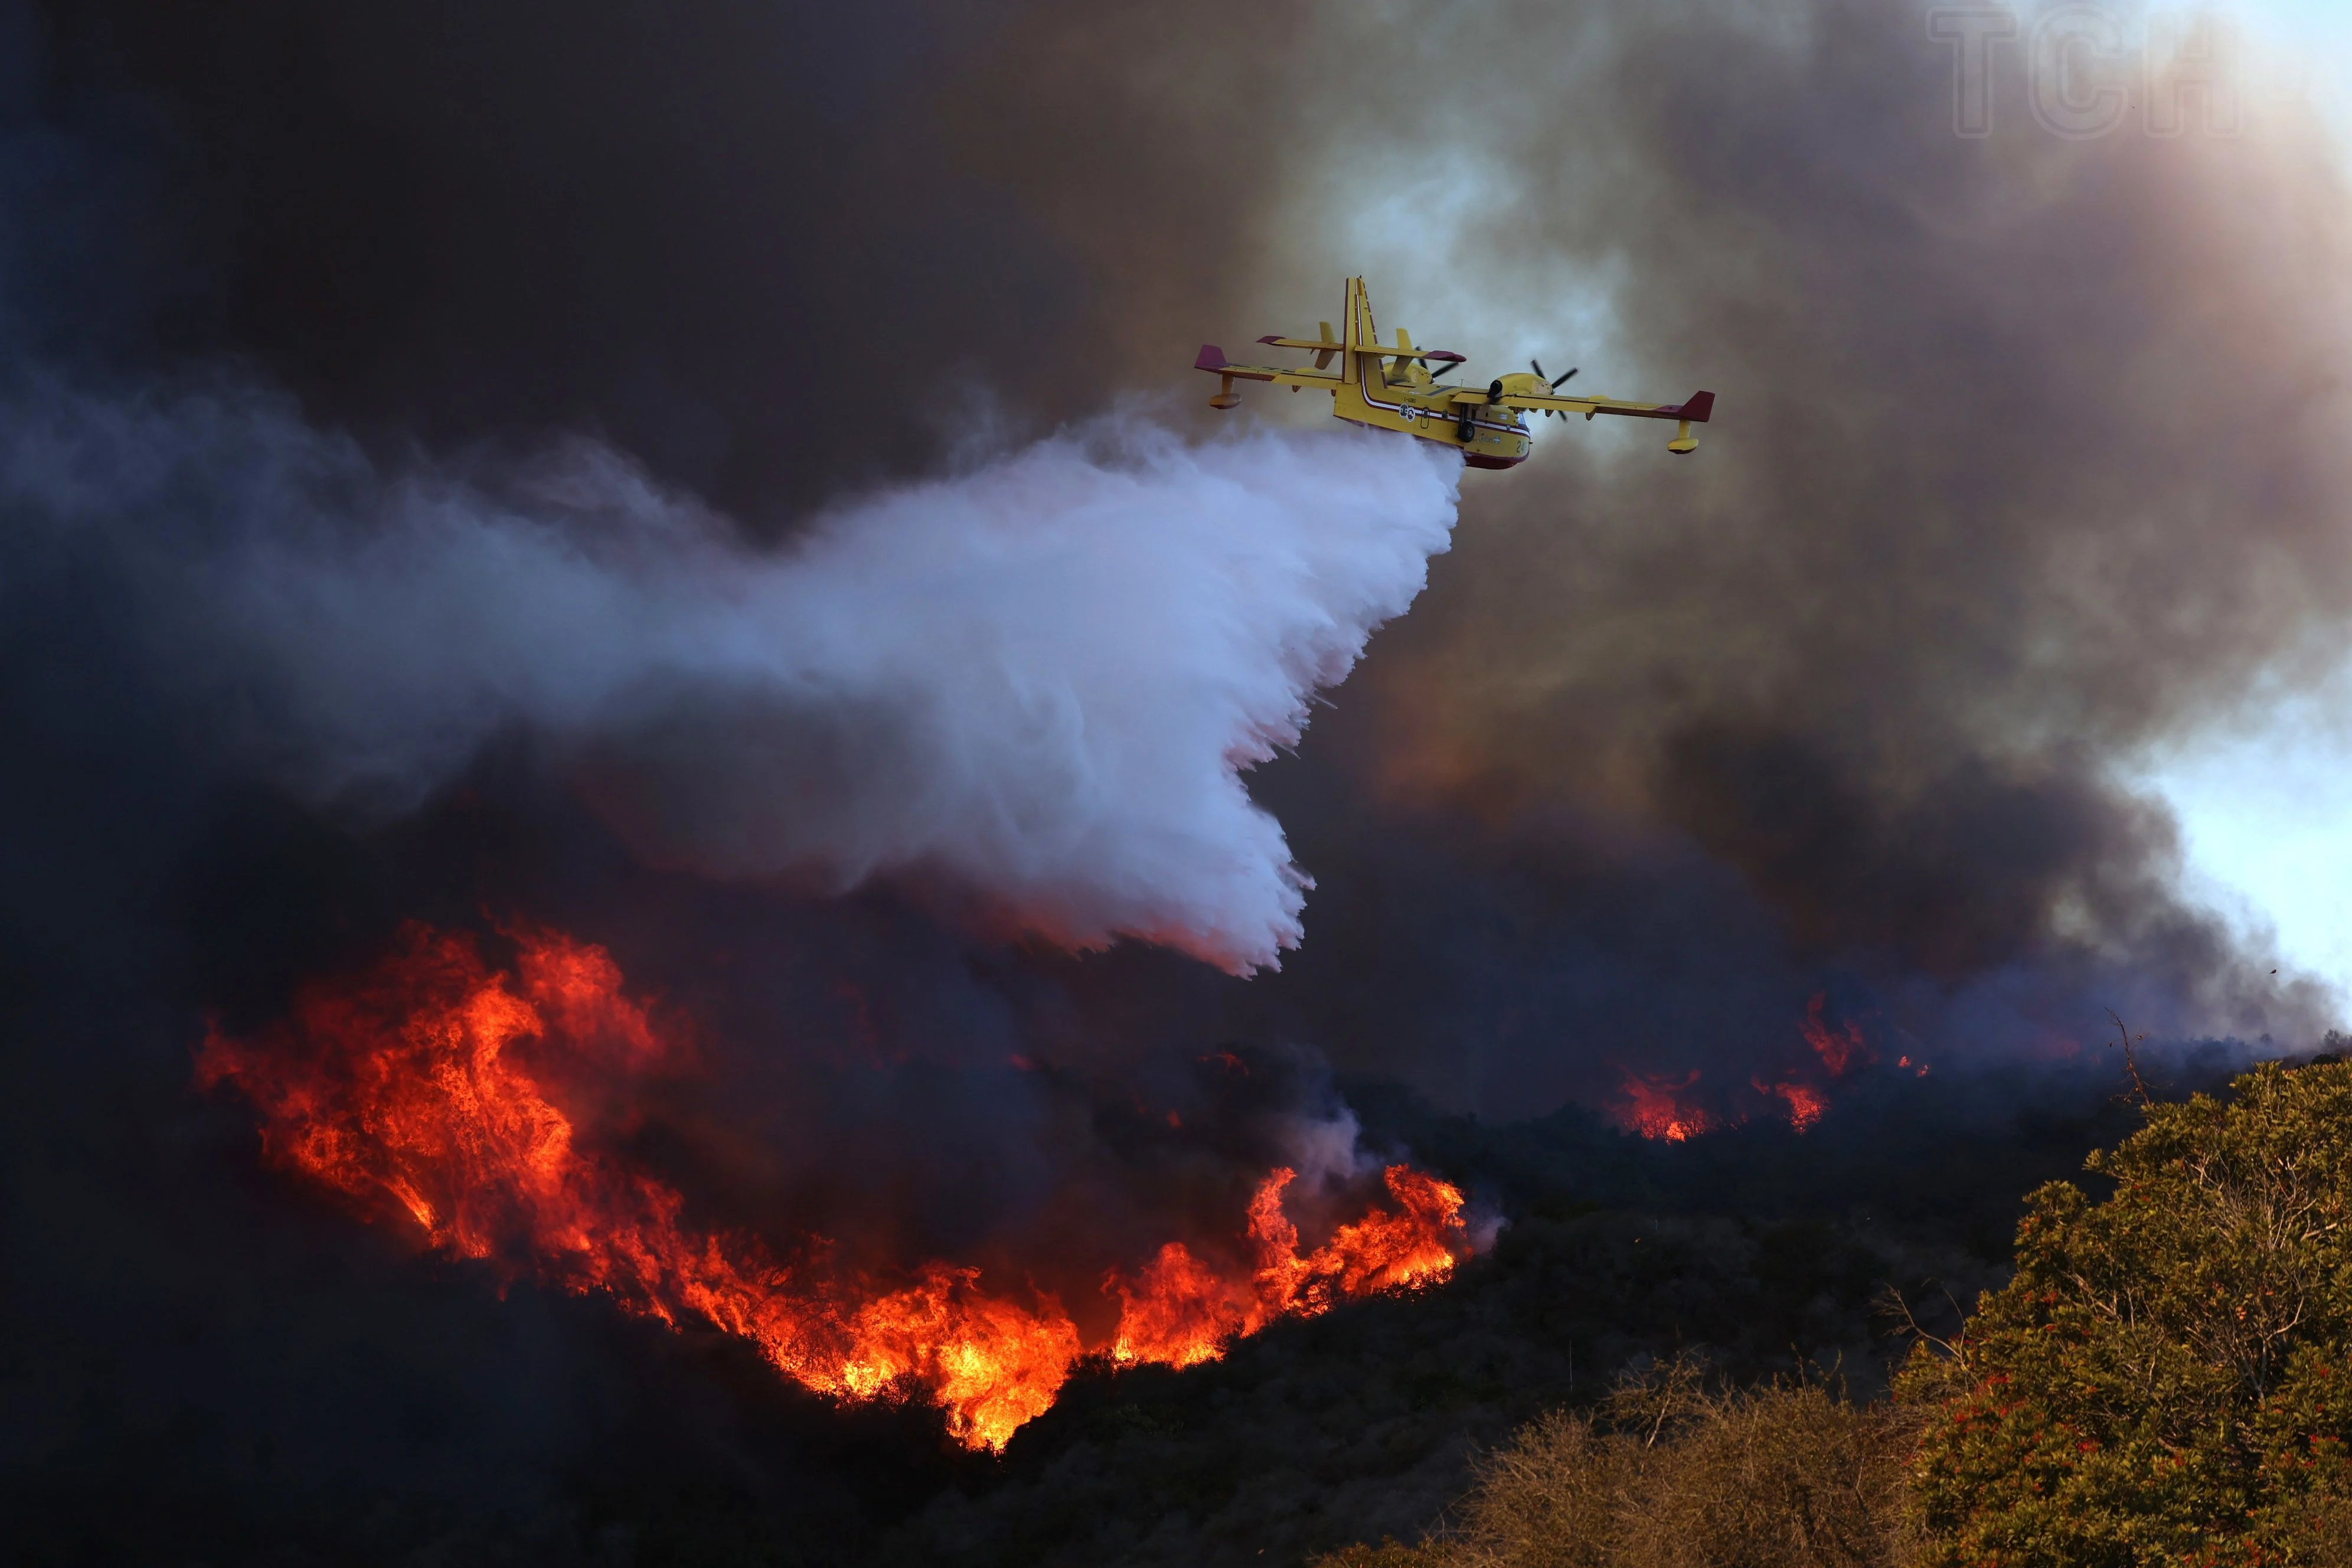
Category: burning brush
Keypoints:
(427, 1092)
(1670, 1108)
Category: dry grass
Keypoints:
(1670, 1475)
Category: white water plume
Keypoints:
(1040, 680)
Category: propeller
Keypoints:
(1557, 381)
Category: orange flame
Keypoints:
(1806, 1104)
(1182, 1312)
(1839, 1053)
(422, 1091)
(1659, 1107)
(1654, 1108)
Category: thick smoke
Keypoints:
(766, 250)
(1039, 681)
(2028, 458)
(2023, 464)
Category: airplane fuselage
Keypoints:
(1493, 437)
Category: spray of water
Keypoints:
(1040, 680)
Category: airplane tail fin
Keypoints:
(1358, 335)
(1211, 357)
(1699, 408)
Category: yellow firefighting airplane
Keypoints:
(1397, 389)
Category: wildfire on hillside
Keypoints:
(1806, 1104)
(1841, 1051)
(1180, 1311)
(1675, 1110)
(1656, 1107)
(425, 1092)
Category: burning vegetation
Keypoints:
(2159, 1382)
(1673, 1108)
(432, 1091)
(1656, 1107)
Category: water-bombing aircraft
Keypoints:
(1402, 388)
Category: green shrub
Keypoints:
(2168, 1377)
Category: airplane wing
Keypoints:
(1697, 409)
(1213, 359)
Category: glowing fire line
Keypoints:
(1659, 1106)
(420, 1086)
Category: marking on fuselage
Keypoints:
(1404, 411)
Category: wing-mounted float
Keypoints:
(1404, 388)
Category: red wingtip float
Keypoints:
(427, 1093)
(1398, 389)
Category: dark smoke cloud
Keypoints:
(2027, 458)
(1970, 528)
(1834, 704)
(722, 234)
(768, 251)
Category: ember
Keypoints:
(427, 1092)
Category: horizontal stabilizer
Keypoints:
(1446, 356)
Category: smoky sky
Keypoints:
(2024, 456)
(768, 250)
(2029, 455)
